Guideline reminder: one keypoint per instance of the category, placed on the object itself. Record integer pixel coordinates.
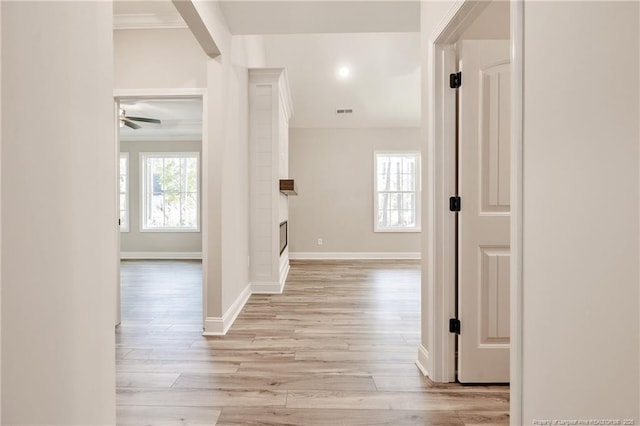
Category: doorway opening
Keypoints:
(161, 194)
(474, 282)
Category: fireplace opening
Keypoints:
(284, 234)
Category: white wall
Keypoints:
(160, 58)
(237, 56)
(492, 24)
(166, 242)
(333, 169)
(235, 174)
(59, 217)
(581, 212)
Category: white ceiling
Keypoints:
(181, 119)
(328, 16)
(383, 88)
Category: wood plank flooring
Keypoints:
(336, 348)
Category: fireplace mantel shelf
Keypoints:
(288, 187)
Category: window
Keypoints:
(124, 191)
(397, 192)
(170, 196)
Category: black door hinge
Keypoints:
(455, 80)
(119, 222)
(455, 203)
(454, 325)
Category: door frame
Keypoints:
(178, 93)
(440, 174)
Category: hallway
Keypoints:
(338, 347)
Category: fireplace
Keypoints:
(284, 234)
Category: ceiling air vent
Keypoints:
(341, 111)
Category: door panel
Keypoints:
(484, 186)
(494, 296)
(494, 138)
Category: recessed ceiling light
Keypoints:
(344, 72)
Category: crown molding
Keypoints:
(147, 21)
(162, 138)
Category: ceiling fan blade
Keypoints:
(145, 120)
(130, 124)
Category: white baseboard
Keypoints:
(167, 255)
(284, 269)
(213, 326)
(354, 255)
(266, 288)
(284, 273)
(273, 287)
(423, 360)
(216, 326)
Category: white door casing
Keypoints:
(175, 93)
(116, 123)
(484, 219)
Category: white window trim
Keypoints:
(144, 199)
(418, 191)
(127, 201)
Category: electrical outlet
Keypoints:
(319, 241)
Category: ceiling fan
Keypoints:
(128, 121)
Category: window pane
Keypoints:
(190, 210)
(382, 219)
(192, 175)
(409, 164)
(155, 168)
(408, 182)
(172, 210)
(394, 218)
(389, 206)
(395, 201)
(395, 182)
(156, 214)
(155, 165)
(123, 183)
(383, 201)
(382, 162)
(383, 182)
(396, 165)
(408, 218)
(383, 175)
(383, 208)
(172, 175)
(408, 202)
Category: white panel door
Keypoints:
(484, 219)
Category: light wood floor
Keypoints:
(337, 348)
